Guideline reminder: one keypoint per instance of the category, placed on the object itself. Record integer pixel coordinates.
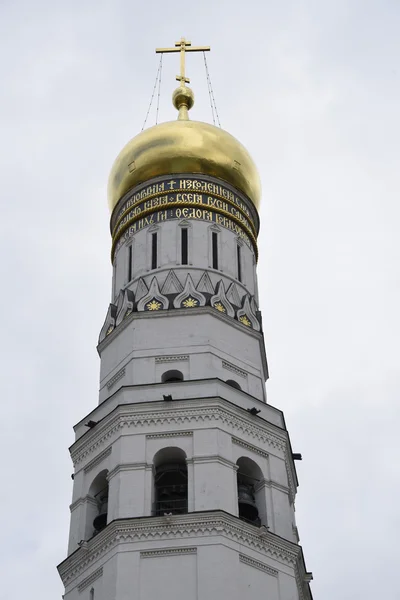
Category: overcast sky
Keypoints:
(312, 90)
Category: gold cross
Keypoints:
(182, 47)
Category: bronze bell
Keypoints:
(100, 521)
(247, 504)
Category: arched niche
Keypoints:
(97, 505)
(233, 384)
(251, 493)
(172, 376)
(170, 482)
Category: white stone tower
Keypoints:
(184, 481)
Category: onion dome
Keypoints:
(183, 146)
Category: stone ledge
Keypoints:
(201, 527)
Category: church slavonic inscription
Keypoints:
(183, 185)
(187, 198)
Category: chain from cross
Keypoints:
(183, 46)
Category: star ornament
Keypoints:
(219, 306)
(153, 305)
(245, 320)
(190, 302)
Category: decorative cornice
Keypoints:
(167, 552)
(172, 358)
(249, 447)
(178, 527)
(257, 565)
(170, 434)
(209, 411)
(291, 476)
(86, 582)
(212, 412)
(93, 463)
(115, 378)
(234, 369)
(303, 579)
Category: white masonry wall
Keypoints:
(208, 553)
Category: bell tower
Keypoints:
(184, 478)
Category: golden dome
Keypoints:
(183, 146)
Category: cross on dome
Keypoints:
(183, 46)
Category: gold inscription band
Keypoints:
(188, 211)
(185, 198)
(190, 185)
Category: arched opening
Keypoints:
(170, 482)
(98, 492)
(172, 376)
(249, 475)
(233, 384)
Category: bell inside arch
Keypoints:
(248, 510)
(100, 521)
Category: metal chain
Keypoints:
(159, 89)
(152, 95)
(211, 91)
(208, 87)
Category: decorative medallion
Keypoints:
(220, 302)
(189, 297)
(219, 306)
(245, 320)
(246, 314)
(154, 299)
(153, 305)
(109, 323)
(125, 305)
(190, 302)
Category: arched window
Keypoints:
(170, 482)
(172, 376)
(233, 384)
(250, 504)
(98, 493)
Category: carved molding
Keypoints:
(211, 412)
(291, 475)
(86, 582)
(171, 285)
(246, 316)
(115, 378)
(93, 463)
(220, 302)
(172, 358)
(189, 297)
(109, 323)
(154, 300)
(233, 295)
(178, 527)
(171, 434)
(234, 369)
(250, 447)
(127, 304)
(205, 284)
(167, 552)
(257, 565)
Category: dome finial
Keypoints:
(183, 100)
(183, 97)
